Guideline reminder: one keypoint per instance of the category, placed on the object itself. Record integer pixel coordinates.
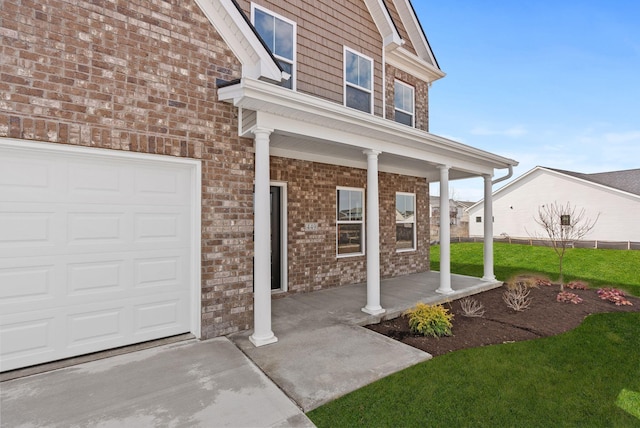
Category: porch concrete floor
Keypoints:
(323, 352)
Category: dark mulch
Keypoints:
(545, 317)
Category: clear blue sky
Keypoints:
(550, 83)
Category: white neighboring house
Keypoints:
(614, 195)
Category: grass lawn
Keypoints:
(618, 268)
(586, 377)
(581, 378)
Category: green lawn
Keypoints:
(619, 268)
(586, 377)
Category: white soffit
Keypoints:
(235, 31)
(384, 23)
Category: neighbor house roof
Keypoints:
(626, 180)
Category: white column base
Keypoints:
(489, 278)
(374, 311)
(261, 341)
(445, 290)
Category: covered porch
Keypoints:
(295, 125)
(324, 353)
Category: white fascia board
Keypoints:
(230, 24)
(406, 61)
(411, 24)
(264, 97)
(384, 23)
(509, 185)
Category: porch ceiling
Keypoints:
(310, 128)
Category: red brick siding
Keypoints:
(311, 196)
(139, 76)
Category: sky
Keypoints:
(548, 83)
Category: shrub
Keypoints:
(567, 297)
(517, 297)
(614, 295)
(577, 285)
(527, 281)
(430, 320)
(543, 281)
(471, 307)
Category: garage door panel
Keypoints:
(95, 250)
(105, 276)
(20, 174)
(26, 283)
(25, 229)
(26, 341)
(159, 315)
(155, 186)
(96, 228)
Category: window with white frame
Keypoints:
(404, 103)
(358, 81)
(350, 221)
(279, 34)
(405, 221)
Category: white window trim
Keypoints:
(413, 102)
(344, 79)
(414, 222)
(295, 41)
(361, 222)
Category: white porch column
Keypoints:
(373, 236)
(488, 230)
(445, 233)
(262, 334)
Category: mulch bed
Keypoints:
(500, 324)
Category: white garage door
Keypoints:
(98, 249)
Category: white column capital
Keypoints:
(262, 131)
(444, 167)
(371, 153)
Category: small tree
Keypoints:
(563, 224)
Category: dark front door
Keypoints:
(276, 238)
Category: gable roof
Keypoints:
(413, 55)
(625, 180)
(236, 30)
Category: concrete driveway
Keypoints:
(187, 384)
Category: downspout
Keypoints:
(506, 177)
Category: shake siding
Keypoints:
(400, 26)
(323, 28)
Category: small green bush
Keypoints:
(430, 320)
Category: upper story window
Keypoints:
(358, 81)
(404, 103)
(405, 221)
(279, 34)
(350, 221)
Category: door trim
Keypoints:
(284, 277)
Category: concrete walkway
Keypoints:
(322, 352)
(188, 384)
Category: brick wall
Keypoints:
(311, 195)
(421, 96)
(139, 76)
